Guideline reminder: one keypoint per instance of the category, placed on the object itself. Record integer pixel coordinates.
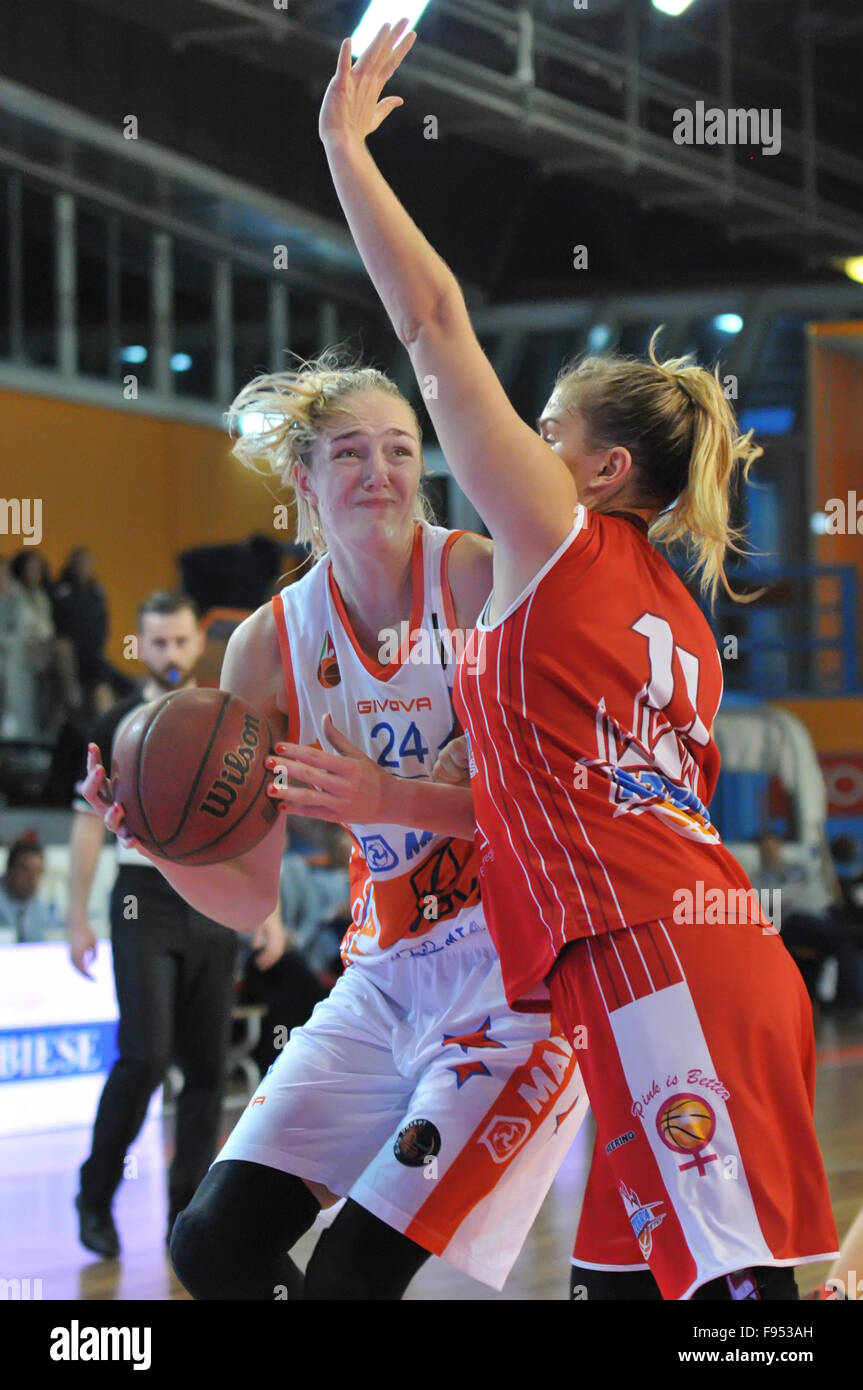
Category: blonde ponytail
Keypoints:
(280, 416)
(700, 516)
(674, 419)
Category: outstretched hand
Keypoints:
(352, 107)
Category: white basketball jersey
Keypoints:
(413, 892)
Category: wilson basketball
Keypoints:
(189, 772)
(686, 1123)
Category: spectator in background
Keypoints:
(315, 892)
(21, 910)
(17, 696)
(50, 659)
(81, 615)
(275, 974)
(811, 917)
(849, 870)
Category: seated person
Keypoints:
(274, 973)
(23, 915)
(50, 659)
(811, 916)
(17, 692)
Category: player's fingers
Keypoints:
(370, 56)
(402, 49)
(383, 109)
(289, 770)
(304, 804)
(340, 741)
(301, 755)
(343, 66)
(382, 53)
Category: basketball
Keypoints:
(686, 1123)
(189, 772)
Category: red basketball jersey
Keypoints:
(588, 707)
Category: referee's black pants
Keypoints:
(174, 973)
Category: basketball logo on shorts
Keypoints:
(686, 1124)
(328, 666)
(415, 1143)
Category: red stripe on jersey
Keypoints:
(630, 965)
(287, 669)
(582, 861)
(508, 815)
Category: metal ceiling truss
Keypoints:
(510, 111)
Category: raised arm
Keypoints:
(520, 487)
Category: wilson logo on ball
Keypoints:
(235, 769)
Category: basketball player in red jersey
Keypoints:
(414, 1091)
(588, 695)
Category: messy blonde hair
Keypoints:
(682, 434)
(284, 414)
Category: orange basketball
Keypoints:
(686, 1123)
(188, 770)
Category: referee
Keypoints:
(173, 967)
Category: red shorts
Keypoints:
(698, 1055)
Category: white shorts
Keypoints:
(415, 1090)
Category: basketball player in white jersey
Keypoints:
(414, 1091)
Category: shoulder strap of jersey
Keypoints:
(287, 668)
(442, 612)
(446, 590)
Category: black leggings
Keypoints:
(233, 1238)
(773, 1283)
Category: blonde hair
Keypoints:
(284, 414)
(682, 433)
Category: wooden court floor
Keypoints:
(39, 1231)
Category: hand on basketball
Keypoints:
(96, 791)
(352, 107)
(451, 766)
(343, 786)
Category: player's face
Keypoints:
(366, 472)
(170, 645)
(600, 475)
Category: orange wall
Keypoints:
(836, 389)
(836, 725)
(134, 489)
